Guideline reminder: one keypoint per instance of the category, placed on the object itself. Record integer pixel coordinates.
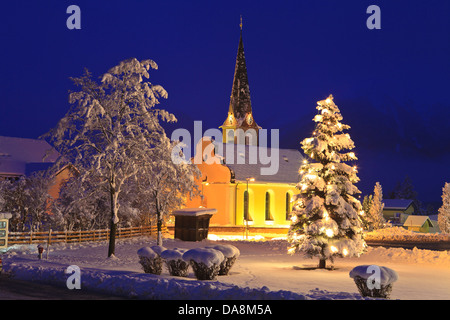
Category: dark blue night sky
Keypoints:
(391, 85)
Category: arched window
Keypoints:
(246, 215)
(247, 140)
(230, 136)
(288, 205)
(268, 213)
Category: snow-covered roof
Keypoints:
(193, 212)
(5, 215)
(289, 161)
(19, 156)
(396, 204)
(417, 221)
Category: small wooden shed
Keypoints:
(418, 223)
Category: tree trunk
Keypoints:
(158, 224)
(322, 263)
(159, 229)
(112, 239)
(113, 227)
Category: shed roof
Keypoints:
(417, 221)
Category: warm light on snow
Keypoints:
(329, 233)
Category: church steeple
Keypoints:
(240, 108)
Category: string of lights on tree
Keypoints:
(325, 218)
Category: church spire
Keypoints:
(240, 103)
(240, 108)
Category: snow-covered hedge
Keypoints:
(374, 281)
(175, 263)
(401, 234)
(205, 262)
(150, 260)
(231, 253)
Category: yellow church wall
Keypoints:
(257, 203)
(228, 200)
(228, 197)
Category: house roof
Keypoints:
(417, 221)
(239, 159)
(19, 156)
(397, 204)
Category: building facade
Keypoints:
(233, 179)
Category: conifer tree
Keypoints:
(325, 221)
(366, 204)
(375, 214)
(444, 210)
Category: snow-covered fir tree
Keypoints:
(444, 210)
(325, 220)
(110, 128)
(374, 215)
(366, 204)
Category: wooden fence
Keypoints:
(79, 236)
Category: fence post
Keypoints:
(31, 237)
(48, 242)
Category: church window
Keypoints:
(268, 214)
(288, 205)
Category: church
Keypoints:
(236, 184)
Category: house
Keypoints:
(418, 223)
(233, 180)
(397, 210)
(21, 157)
(434, 220)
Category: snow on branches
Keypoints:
(325, 219)
(112, 133)
(444, 210)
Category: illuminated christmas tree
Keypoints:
(325, 221)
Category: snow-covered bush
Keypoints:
(231, 253)
(150, 260)
(374, 281)
(175, 263)
(158, 249)
(205, 262)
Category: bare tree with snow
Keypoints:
(28, 201)
(170, 185)
(111, 126)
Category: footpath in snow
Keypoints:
(264, 271)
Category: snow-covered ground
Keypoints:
(264, 270)
(401, 234)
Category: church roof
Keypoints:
(237, 157)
